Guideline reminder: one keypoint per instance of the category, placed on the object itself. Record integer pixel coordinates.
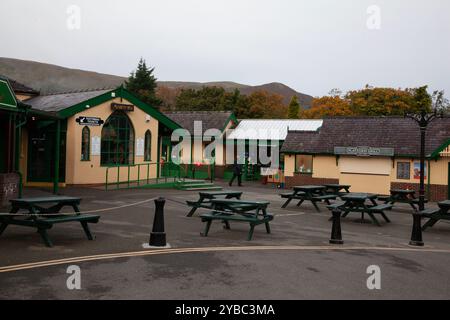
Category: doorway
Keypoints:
(41, 155)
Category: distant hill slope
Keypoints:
(49, 78)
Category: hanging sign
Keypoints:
(364, 151)
(89, 121)
(122, 107)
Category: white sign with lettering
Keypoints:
(140, 147)
(95, 146)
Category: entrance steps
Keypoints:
(194, 185)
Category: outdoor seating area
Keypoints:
(43, 218)
(227, 206)
(339, 197)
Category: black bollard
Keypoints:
(416, 235)
(158, 236)
(336, 236)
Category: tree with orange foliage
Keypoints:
(327, 106)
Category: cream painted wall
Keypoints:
(379, 184)
(438, 171)
(23, 97)
(199, 150)
(289, 165)
(325, 167)
(91, 172)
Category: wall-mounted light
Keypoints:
(147, 118)
(88, 106)
(113, 94)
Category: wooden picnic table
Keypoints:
(310, 193)
(337, 189)
(436, 214)
(362, 203)
(42, 213)
(205, 198)
(226, 210)
(402, 196)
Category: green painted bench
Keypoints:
(436, 214)
(206, 196)
(252, 212)
(43, 218)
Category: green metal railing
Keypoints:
(164, 171)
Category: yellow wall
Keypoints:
(289, 165)
(369, 174)
(91, 172)
(23, 97)
(198, 148)
(325, 167)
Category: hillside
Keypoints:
(50, 78)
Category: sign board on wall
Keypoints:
(122, 107)
(364, 151)
(95, 146)
(417, 171)
(89, 121)
(140, 147)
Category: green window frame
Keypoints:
(85, 144)
(117, 142)
(148, 146)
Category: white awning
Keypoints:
(271, 129)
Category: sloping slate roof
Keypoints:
(210, 119)
(399, 133)
(272, 129)
(20, 87)
(60, 101)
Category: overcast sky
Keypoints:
(312, 46)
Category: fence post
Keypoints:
(158, 236)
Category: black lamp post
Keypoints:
(423, 119)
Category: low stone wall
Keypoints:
(438, 192)
(300, 179)
(9, 187)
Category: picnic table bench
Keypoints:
(43, 218)
(402, 196)
(310, 193)
(436, 214)
(226, 210)
(206, 196)
(337, 189)
(357, 202)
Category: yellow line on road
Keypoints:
(200, 250)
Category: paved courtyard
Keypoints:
(295, 261)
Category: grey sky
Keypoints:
(312, 46)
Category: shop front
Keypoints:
(371, 154)
(98, 133)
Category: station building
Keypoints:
(253, 134)
(372, 154)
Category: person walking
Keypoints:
(237, 172)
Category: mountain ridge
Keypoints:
(51, 78)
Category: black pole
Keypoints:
(416, 235)
(336, 236)
(158, 236)
(423, 129)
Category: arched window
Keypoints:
(117, 140)
(148, 146)
(85, 144)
